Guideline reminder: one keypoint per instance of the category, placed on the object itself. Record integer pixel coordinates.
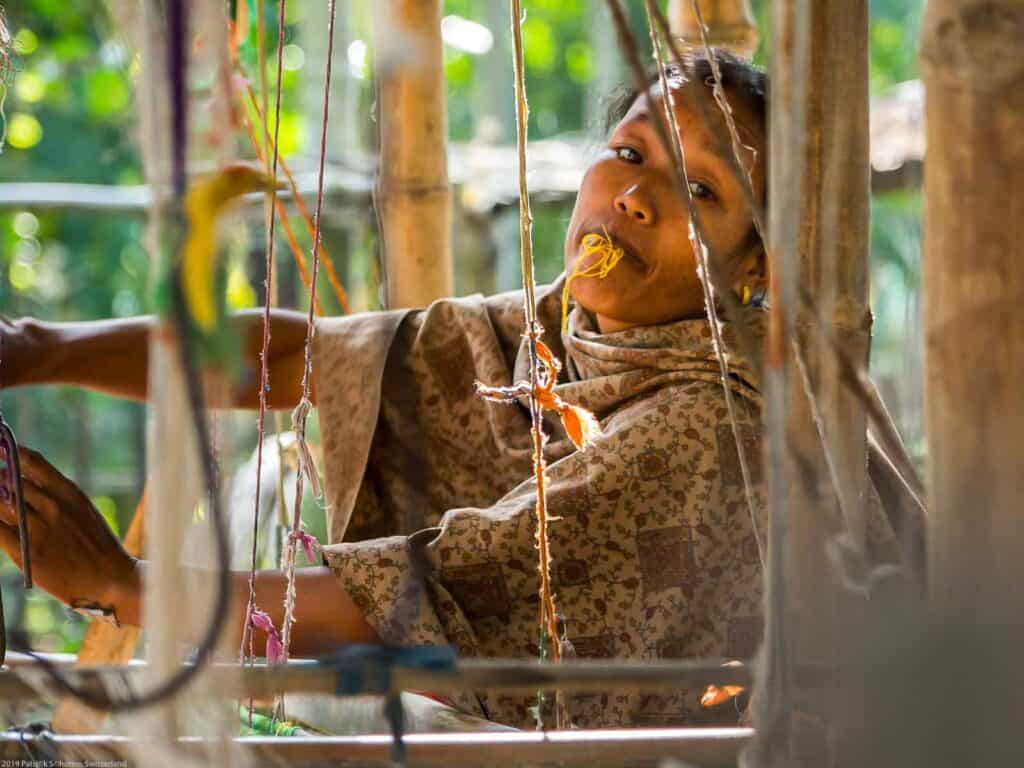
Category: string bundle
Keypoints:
(608, 256)
(579, 423)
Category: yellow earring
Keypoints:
(746, 295)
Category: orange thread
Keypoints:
(580, 424)
(300, 205)
(282, 215)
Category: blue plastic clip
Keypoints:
(366, 669)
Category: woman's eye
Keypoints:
(628, 154)
(701, 191)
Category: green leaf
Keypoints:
(106, 93)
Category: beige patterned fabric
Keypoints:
(654, 553)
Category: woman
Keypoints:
(655, 552)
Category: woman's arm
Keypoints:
(78, 560)
(112, 356)
(325, 615)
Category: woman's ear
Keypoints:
(751, 274)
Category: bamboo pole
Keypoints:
(412, 194)
(972, 56)
(833, 251)
(692, 746)
(820, 195)
(730, 24)
(170, 447)
(973, 61)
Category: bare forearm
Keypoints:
(107, 355)
(325, 615)
(112, 356)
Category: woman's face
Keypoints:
(629, 192)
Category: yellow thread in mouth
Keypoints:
(608, 255)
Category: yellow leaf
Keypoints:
(205, 201)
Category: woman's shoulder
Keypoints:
(684, 403)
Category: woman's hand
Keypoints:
(75, 556)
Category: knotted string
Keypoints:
(307, 468)
(580, 425)
(247, 649)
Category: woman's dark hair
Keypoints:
(740, 79)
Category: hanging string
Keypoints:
(534, 331)
(307, 220)
(258, 149)
(282, 214)
(307, 469)
(247, 646)
(774, 702)
(851, 373)
(743, 174)
(669, 136)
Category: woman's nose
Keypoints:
(634, 205)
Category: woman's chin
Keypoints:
(603, 296)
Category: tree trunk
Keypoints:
(413, 196)
(730, 24)
(972, 56)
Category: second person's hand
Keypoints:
(74, 554)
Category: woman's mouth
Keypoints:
(630, 253)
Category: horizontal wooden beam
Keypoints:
(24, 680)
(479, 195)
(709, 747)
(483, 174)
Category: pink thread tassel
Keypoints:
(275, 648)
(308, 542)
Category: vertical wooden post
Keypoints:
(834, 251)
(973, 63)
(730, 24)
(413, 196)
(174, 470)
(972, 56)
(820, 174)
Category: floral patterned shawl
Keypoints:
(654, 553)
